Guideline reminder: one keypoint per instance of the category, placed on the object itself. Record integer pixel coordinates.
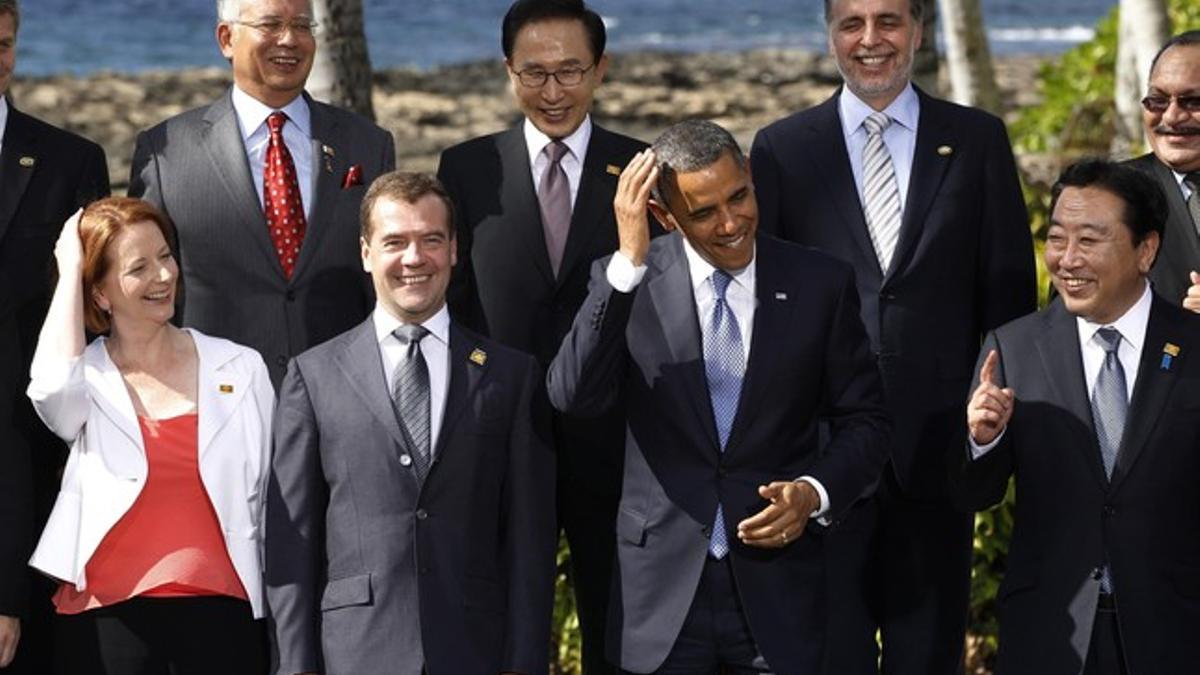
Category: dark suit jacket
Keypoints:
(364, 564)
(1070, 518)
(964, 262)
(809, 361)
(194, 167)
(1179, 253)
(45, 175)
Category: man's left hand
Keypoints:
(1191, 301)
(784, 520)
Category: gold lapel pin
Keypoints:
(478, 357)
(225, 388)
(945, 150)
(1170, 351)
(613, 169)
(329, 155)
(27, 161)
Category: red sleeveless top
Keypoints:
(169, 543)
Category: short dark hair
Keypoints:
(689, 146)
(1145, 204)
(525, 12)
(1188, 39)
(11, 8)
(402, 186)
(916, 8)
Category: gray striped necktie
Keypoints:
(410, 392)
(1192, 180)
(881, 192)
(1109, 399)
(554, 198)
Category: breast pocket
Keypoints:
(346, 592)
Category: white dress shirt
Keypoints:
(624, 277)
(900, 137)
(435, 348)
(1132, 327)
(297, 136)
(1183, 188)
(3, 119)
(572, 160)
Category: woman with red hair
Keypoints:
(154, 533)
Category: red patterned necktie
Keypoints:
(281, 197)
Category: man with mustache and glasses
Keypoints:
(264, 187)
(1171, 115)
(922, 197)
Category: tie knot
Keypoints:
(1110, 339)
(410, 333)
(275, 122)
(720, 281)
(876, 123)
(555, 151)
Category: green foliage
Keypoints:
(566, 653)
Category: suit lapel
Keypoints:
(675, 305)
(771, 319)
(519, 197)
(19, 143)
(928, 169)
(1182, 235)
(219, 391)
(596, 188)
(327, 166)
(828, 152)
(1150, 391)
(221, 138)
(362, 365)
(465, 376)
(111, 395)
(1059, 352)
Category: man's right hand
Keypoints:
(991, 406)
(10, 637)
(630, 204)
(1191, 301)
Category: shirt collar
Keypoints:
(3, 116)
(252, 113)
(577, 142)
(903, 110)
(1132, 324)
(700, 269)
(438, 325)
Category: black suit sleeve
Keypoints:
(765, 172)
(980, 484)
(531, 533)
(853, 407)
(1007, 281)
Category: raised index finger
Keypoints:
(987, 373)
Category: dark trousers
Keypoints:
(715, 638)
(1106, 655)
(901, 567)
(35, 650)
(162, 636)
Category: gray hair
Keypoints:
(10, 8)
(689, 146)
(231, 10)
(916, 8)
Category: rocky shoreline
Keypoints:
(429, 110)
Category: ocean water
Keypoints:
(82, 36)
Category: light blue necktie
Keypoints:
(1109, 407)
(724, 365)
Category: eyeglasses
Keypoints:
(536, 77)
(275, 27)
(1158, 104)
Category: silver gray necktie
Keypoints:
(1192, 180)
(1109, 399)
(410, 392)
(554, 198)
(881, 192)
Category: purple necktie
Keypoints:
(554, 196)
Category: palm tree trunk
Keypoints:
(1144, 26)
(341, 74)
(968, 56)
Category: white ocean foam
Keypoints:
(1042, 34)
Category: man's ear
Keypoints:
(662, 215)
(225, 39)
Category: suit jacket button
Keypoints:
(706, 531)
(281, 360)
(1097, 574)
(405, 460)
(1109, 511)
(422, 514)
(290, 295)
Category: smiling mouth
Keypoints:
(157, 297)
(732, 243)
(285, 61)
(413, 280)
(1074, 283)
(873, 61)
(556, 114)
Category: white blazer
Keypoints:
(86, 403)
